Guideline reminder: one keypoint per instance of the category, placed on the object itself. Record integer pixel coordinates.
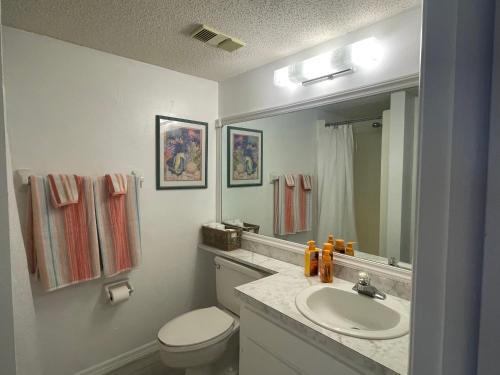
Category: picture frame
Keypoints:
(245, 155)
(181, 153)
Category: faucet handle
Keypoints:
(363, 279)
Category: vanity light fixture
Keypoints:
(327, 77)
(363, 54)
(366, 53)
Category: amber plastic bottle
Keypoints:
(340, 246)
(326, 267)
(331, 239)
(349, 250)
(311, 259)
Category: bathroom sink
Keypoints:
(343, 310)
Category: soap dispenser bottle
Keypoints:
(326, 267)
(311, 259)
(349, 250)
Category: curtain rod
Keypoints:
(349, 122)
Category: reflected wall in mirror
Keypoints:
(347, 169)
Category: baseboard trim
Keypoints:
(121, 360)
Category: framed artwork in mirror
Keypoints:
(181, 153)
(245, 157)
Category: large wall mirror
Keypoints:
(346, 169)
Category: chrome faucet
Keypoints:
(363, 286)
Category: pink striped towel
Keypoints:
(284, 205)
(304, 205)
(117, 184)
(292, 204)
(290, 180)
(61, 246)
(306, 182)
(63, 189)
(118, 226)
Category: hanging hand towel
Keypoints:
(118, 226)
(117, 184)
(303, 212)
(63, 189)
(62, 245)
(284, 205)
(290, 180)
(292, 204)
(306, 182)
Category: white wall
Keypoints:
(73, 109)
(25, 330)
(7, 352)
(399, 36)
(289, 147)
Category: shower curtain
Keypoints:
(335, 183)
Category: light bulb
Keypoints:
(317, 66)
(366, 53)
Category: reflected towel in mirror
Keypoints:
(292, 204)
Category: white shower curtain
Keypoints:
(335, 183)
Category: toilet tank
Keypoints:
(229, 275)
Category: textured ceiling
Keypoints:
(157, 31)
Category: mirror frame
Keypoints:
(349, 261)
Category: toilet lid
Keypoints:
(195, 327)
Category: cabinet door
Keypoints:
(261, 337)
(256, 360)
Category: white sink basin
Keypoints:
(345, 311)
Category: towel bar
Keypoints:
(24, 176)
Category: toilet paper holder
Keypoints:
(116, 284)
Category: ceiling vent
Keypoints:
(217, 39)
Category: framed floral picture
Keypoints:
(244, 155)
(181, 153)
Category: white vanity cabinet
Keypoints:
(267, 348)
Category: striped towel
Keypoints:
(63, 189)
(292, 205)
(306, 182)
(303, 212)
(118, 226)
(284, 205)
(62, 245)
(117, 184)
(290, 180)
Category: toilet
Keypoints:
(205, 341)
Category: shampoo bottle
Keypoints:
(326, 267)
(311, 259)
(349, 250)
(331, 241)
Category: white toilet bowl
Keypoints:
(206, 341)
(196, 340)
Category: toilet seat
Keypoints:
(196, 329)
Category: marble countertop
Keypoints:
(275, 295)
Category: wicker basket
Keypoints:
(222, 239)
(247, 227)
